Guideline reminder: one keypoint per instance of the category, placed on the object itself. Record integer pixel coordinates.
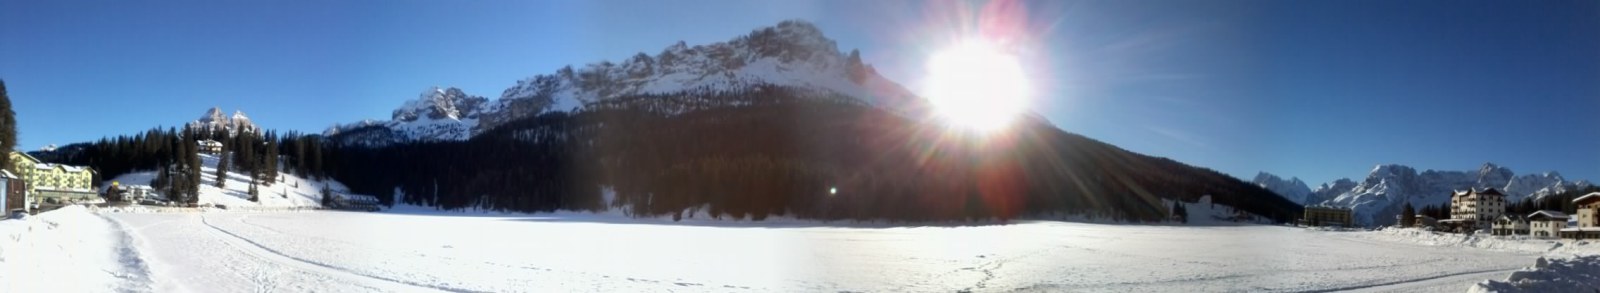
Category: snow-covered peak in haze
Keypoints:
(437, 103)
(436, 114)
(213, 120)
(1378, 197)
(1292, 189)
(793, 54)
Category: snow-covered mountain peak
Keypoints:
(1292, 189)
(213, 115)
(213, 120)
(440, 103)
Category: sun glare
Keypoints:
(976, 85)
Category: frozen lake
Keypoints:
(357, 252)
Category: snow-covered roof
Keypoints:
(7, 174)
(68, 168)
(1584, 229)
(1591, 195)
(1550, 214)
(27, 156)
(1510, 217)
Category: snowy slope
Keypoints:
(1292, 189)
(791, 54)
(289, 191)
(69, 250)
(1387, 188)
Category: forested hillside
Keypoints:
(778, 151)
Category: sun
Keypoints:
(975, 85)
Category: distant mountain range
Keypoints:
(1380, 196)
(759, 97)
(793, 54)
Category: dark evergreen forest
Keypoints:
(741, 155)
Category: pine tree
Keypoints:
(255, 194)
(7, 128)
(327, 196)
(221, 170)
(1408, 216)
(272, 158)
(193, 156)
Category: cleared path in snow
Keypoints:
(187, 255)
(342, 251)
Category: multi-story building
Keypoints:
(1588, 218)
(1476, 209)
(1327, 216)
(48, 181)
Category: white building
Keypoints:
(1476, 209)
(1509, 225)
(1546, 224)
(210, 146)
(1587, 218)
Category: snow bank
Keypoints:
(1552, 247)
(1578, 274)
(68, 250)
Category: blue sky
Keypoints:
(1315, 89)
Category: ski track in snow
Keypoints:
(134, 272)
(385, 284)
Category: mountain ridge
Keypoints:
(1387, 187)
(794, 54)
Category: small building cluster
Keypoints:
(211, 147)
(1471, 208)
(132, 193)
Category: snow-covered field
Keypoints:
(76, 250)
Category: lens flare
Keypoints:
(976, 85)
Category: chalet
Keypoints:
(1546, 224)
(210, 146)
(46, 181)
(1422, 221)
(1507, 225)
(345, 201)
(13, 192)
(1473, 210)
(129, 193)
(1327, 216)
(1587, 218)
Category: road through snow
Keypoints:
(362, 252)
